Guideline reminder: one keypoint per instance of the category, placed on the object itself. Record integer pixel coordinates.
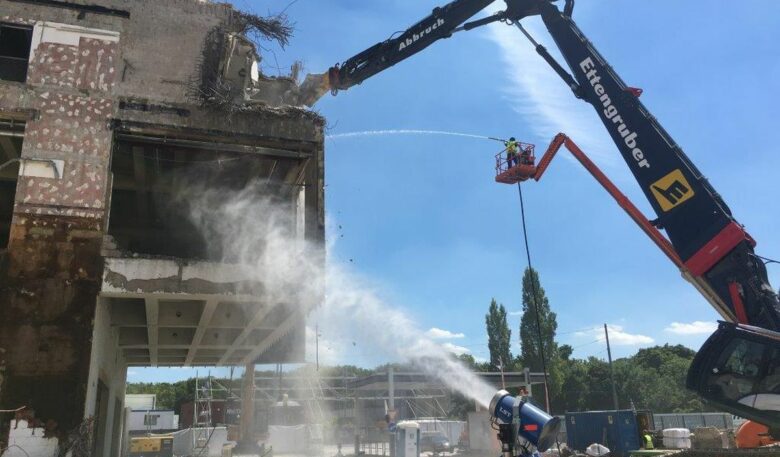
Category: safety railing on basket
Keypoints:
(525, 156)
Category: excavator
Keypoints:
(738, 368)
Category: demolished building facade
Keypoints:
(103, 105)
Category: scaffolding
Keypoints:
(202, 426)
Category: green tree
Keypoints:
(565, 351)
(657, 380)
(653, 378)
(534, 298)
(574, 387)
(499, 336)
(531, 351)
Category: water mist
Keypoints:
(248, 228)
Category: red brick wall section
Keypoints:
(73, 125)
(90, 66)
(96, 68)
(54, 65)
(75, 129)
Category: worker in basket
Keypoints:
(511, 152)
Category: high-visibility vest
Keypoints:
(511, 147)
(648, 441)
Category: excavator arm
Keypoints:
(441, 23)
(699, 225)
(736, 368)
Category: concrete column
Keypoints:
(391, 387)
(247, 425)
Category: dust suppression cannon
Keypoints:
(521, 425)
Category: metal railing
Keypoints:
(502, 163)
(693, 420)
(380, 448)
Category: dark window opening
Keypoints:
(151, 419)
(15, 42)
(10, 148)
(157, 193)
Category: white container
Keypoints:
(677, 433)
(677, 443)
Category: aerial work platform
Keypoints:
(511, 170)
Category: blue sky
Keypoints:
(422, 216)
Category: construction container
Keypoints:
(407, 439)
(617, 430)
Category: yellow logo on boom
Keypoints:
(672, 190)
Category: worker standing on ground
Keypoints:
(511, 152)
(647, 439)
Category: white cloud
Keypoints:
(515, 313)
(455, 349)
(618, 336)
(693, 328)
(439, 334)
(538, 94)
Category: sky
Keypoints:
(423, 218)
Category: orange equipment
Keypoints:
(522, 169)
(518, 173)
(751, 435)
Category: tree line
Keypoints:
(653, 378)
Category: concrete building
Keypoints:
(104, 105)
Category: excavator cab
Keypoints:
(511, 169)
(738, 370)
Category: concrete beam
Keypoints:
(152, 315)
(254, 323)
(297, 153)
(205, 318)
(282, 329)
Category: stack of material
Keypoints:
(708, 438)
(677, 438)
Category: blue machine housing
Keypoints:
(533, 424)
(617, 430)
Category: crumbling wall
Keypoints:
(52, 275)
(162, 47)
(130, 71)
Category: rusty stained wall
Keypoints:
(51, 276)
